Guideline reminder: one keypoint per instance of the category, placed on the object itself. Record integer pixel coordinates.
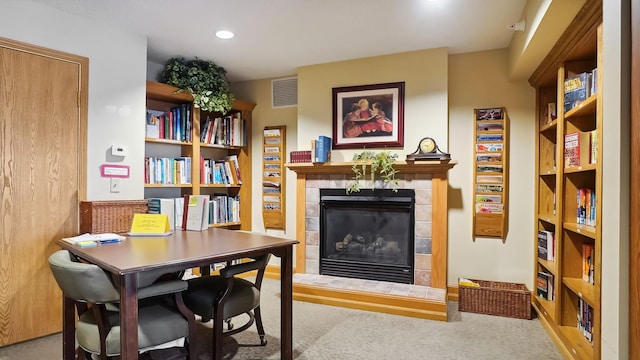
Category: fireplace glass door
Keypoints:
(367, 235)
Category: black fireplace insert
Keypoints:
(368, 235)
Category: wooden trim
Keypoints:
(439, 234)
(438, 169)
(452, 293)
(413, 167)
(301, 247)
(634, 213)
(570, 45)
(384, 303)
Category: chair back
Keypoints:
(80, 281)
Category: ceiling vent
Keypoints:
(284, 92)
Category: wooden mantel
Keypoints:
(439, 238)
(403, 167)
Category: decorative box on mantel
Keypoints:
(429, 180)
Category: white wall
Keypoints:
(259, 93)
(426, 96)
(117, 68)
(479, 80)
(615, 180)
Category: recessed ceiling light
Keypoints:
(224, 34)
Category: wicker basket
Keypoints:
(109, 216)
(496, 298)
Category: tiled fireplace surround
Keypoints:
(429, 180)
(421, 183)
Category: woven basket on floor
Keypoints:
(109, 216)
(496, 298)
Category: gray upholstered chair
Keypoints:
(162, 315)
(206, 292)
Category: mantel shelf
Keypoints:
(407, 167)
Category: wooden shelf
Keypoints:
(564, 191)
(491, 173)
(582, 289)
(163, 97)
(168, 185)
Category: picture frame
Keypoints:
(368, 116)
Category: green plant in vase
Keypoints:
(204, 80)
(380, 166)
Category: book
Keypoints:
(593, 136)
(89, 240)
(544, 285)
(577, 89)
(489, 208)
(163, 206)
(153, 124)
(489, 147)
(552, 113)
(323, 149)
(546, 245)
(236, 166)
(577, 149)
(587, 263)
(196, 212)
(178, 212)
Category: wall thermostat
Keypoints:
(118, 150)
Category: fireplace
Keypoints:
(368, 235)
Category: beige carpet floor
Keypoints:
(325, 332)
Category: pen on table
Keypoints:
(109, 241)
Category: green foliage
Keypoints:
(380, 166)
(204, 80)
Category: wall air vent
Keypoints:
(284, 92)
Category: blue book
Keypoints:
(323, 149)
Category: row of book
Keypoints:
(174, 124)
(229, 130)
(321, 149)
(197, 212)
(546, 245)
(544, 286)
(220, 171)
(585, 319)
(580, 148)
(300, 156)
(586, 207)
(168, 171)
(579, 87)
(588, 266)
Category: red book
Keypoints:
(577, 149)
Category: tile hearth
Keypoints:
(371, 286)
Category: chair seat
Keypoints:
(157, 324)
(203, 292)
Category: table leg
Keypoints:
(286, 309)
(68, 329)
(129, 317)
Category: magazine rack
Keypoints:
(490, 181)
(273, 177)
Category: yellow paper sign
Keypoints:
(150, 224)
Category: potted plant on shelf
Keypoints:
(204, 80)
(380, 167)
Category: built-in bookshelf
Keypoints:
(194, 152)
(491, 175)
(567, 236)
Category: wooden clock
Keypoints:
(428, 150)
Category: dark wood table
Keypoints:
(181, 250)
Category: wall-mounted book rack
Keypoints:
(273, 177)
(491, 172)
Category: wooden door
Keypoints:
(41, 180)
